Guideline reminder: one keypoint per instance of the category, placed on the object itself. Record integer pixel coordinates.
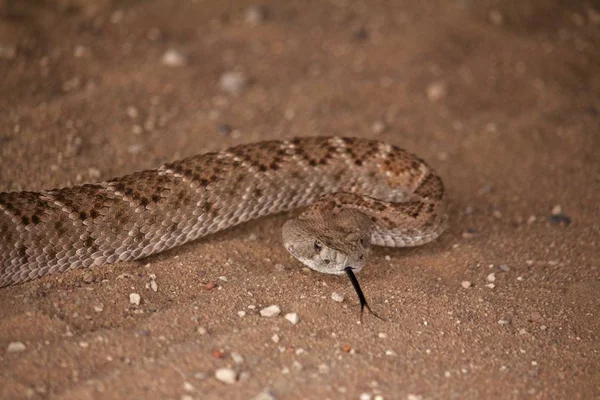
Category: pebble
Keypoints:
(275, 338)
(504, 267)
(503, 322)
(255, 14)
(378, 127)
(237, 358)
(226, 375)
(135, 299)
(99, 308)
(174, 58)
(491, 277)
(15, 347)
(496, 17)
(280, 267)
(366, 396)
(241, 314)
(382, 335)
(201, 330)
(264, 395)
(271, 311)
(188, 387)
(335, 296)
(490, 285)
(233, 82)
(414, 397)
(292, 317)
(153, 285)
(390, 353)
(436, 91)
(88, 277)
(465, 284)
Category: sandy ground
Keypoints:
(502, 98)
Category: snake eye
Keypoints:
(318, 247)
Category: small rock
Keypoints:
(241, 314)
(226, 375)
(88, 277)
(365, 396)
(504, 267)
(237, 358)
(255, 14)
(436, 91)
(496, 17)
(280, 267)
(292, 317)
(346, 348)
(465, 284)
(271, 311)
(560, 219)
(275, 338)
(323, 368)
(335, 296)
(135, 299)
(378, 127)
(382, 335)
(491, 277)
(503, 322)
(233, 82)
(132, 112)
(84, 345)
(556, 210)
(15, 347)
(173, 58)
(490, 285)
(497, 214)
(153, 285)
(188, 387)
(201, 330)
(390, 353)
(264, 395)
(99, 308)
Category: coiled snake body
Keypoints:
(360, 192)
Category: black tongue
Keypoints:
(359, 292)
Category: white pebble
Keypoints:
(271, 311)
(241, 314)
(275, 338)
(503, 322)
(436, 91)
(99, 308)
(237, 358)
(265, 395)
(465, 284)
(226, 375)
(153, 285)
(292, 317)
(366, 396)
(490, 285)
(556, 210)
(414, 397)
(135, 298)
(491, 277)
(335, 296)
(233, 82)
(173, 58)
(382, 335)
(390, 353)
(15, 347)
(255, 14)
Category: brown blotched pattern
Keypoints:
(144, 213)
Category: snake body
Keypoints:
(367, 188)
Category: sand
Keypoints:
(501, 99)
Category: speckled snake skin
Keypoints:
(147, 212)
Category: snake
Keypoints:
(356, 193)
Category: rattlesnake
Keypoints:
(359, 192)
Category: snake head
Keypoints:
(327, 246)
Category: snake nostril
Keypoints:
(326, 261)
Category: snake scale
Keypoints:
(359, 193)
